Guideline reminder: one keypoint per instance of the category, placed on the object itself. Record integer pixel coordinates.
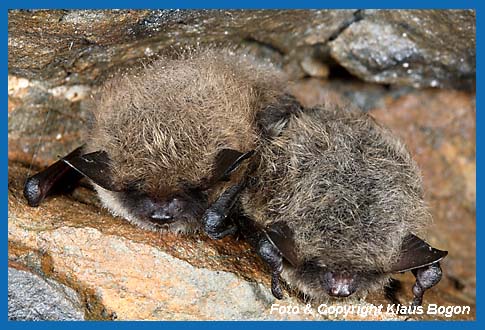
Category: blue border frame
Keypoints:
(408, 4)
(247, 4)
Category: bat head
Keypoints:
(319, 278)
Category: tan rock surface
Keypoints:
(122, 272)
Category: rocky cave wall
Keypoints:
(413, 70)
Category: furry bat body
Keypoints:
(167, 140)
(334, 206)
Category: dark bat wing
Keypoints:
(58, 177)
(282, 237)
(227, 161)
(95, 166)
(416, 253)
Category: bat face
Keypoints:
(340, 281)
(184, 207)
(178, 213)
(319, 277)
(176, 208)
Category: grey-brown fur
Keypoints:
(346, 187)
(164, 125)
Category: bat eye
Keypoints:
(339, 284)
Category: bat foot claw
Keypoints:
(32, 191)
(273, 258)
(276, 287)
(426, 278)
(215, 225)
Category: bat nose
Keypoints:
(339, 284)
(340, 291)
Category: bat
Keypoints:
(334, 206)
(166, 140)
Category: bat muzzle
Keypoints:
(175, 209)
(339, 284)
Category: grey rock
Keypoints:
(80, 46)
(420, 48)
(32, 298)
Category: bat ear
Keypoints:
(416, 253)
(227, 161)
(282, 237)
(273, 119)
(94, 166)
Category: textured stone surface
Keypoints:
(75, 47)
(361, 95)
(413, 47)
(33, 298)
